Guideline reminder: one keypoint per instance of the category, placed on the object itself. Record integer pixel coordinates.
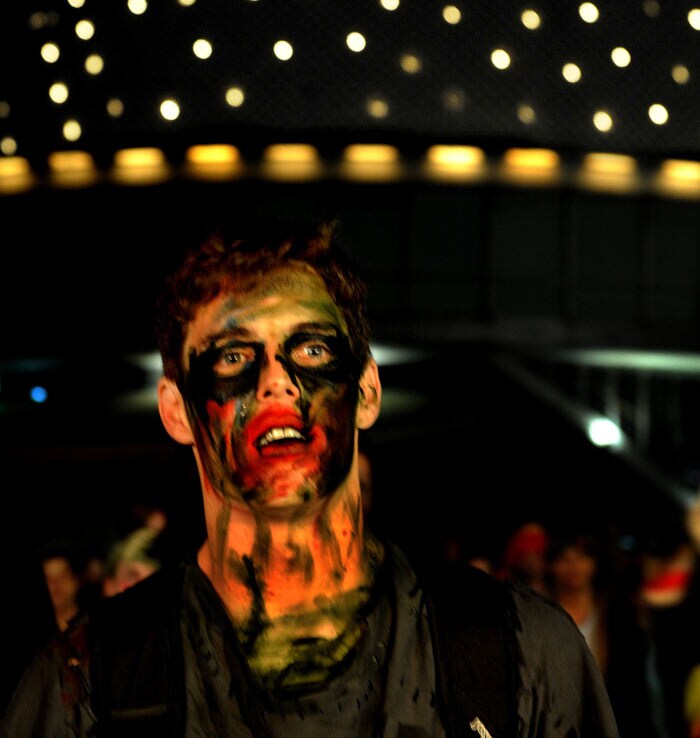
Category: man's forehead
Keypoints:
(293, 295)
(289, 279)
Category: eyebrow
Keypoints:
(317, 326)
(243, 333)
(227, 334)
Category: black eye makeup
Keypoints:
(311, 358)
(233, 359)
(302, 350)
(314, 350)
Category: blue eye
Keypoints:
(317, 350)
(312, 353)
(233, 360)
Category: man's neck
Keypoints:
(287, 582)
(64, 615)
(271, 567)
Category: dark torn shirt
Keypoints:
(387, 689)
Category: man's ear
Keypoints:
(370, 399)
(171, 407)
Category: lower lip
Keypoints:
(277, 450)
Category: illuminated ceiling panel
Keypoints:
(620, 77)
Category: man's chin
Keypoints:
(285, 480)
(292, 504)
(279, 491)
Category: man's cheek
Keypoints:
(216, 422)
(336, 407)
(219, 415)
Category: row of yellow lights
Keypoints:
(369, 162)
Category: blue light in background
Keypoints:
(38, 394)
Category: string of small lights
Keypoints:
(230, 82)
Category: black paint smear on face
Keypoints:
(339, 378)
(203, 383)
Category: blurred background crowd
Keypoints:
(637, 607)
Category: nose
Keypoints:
(275, 381)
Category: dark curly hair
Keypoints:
(229, 254)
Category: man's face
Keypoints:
(63, 584)
(271, 390)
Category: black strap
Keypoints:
(473, 626)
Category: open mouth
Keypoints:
(280, 435)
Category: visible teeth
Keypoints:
(277, 434)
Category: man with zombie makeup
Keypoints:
(294, 619)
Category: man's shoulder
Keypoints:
(454, 586)
(133, 616)
(541, 613)
(474, 646)
(456, 582)
(499, 643)
(464, 594)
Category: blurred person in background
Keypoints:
(691, 702)
(574, 579)
(671, 594)
(137, 555)
(670, 597)
(524, 557)
(580, 576)
(64, 562)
